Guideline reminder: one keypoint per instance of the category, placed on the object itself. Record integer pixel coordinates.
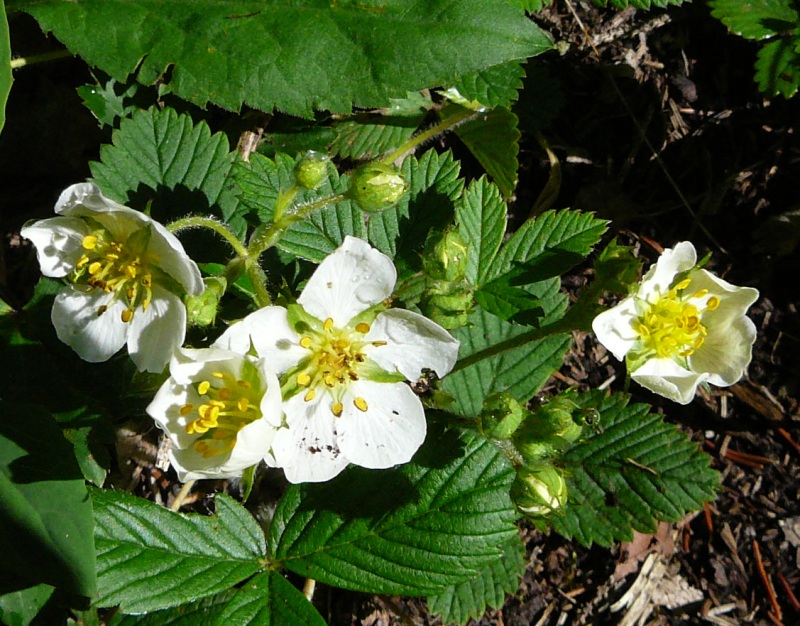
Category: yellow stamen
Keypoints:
(203, 387)
(224, 394)
(95, 267)
(361, 404)
(186, 409)
(337, 409)
(713, 303)
(305, 342)
(378, 344)
(310, 395)
(683, 284)
(127, 315)
(243, 404)
(328, 324)
(243, 384)
(303, 379)
(362, 328)
(89, 242)
(220, 375)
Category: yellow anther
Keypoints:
(330, 380)
(203, 387)
(700, 294)
(130, 270)
(217, 403)
(201, 446)
(243, 404)
(95, 268)
(101, 309)
(305, 342)
(303, 379)
(147, 280)
(186, 409)
(243, 384)
(362, 328)
(337, 409)
(713, 303)
(361, 404)
(683, 284)
(328, 324)
(310, 395)
(127, 315)
(82, 261)
(89, 242)
(378, 344)
(220, 375)
(224, 394)
(112, 257)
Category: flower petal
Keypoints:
(95, 337)
(307, 450)
(167, 252)
(672, 262)
(614, 330)
(58, 243)
(268, 331)
(349, 281)
(666, 378)
(413, 343)
(389, 432)
(156, 333)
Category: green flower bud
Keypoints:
(550, 430)
(448, 304)
(501, 415)
(376, 186)
(539, 491)
(202, 310)
(616, 269)
(312, 170)
(445, 256)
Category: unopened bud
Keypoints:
(202, 310)
(446, 256)
(501, 415)
(539, 491)
(376, 186)
(312, 170)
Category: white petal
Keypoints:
(666, 378)
(726, 352)
(94, 337)
(413, 343)
(614, 330)
(156, 333)
(307, 450)
(166, 251)
(271, 336)
(672, 262)
(349, 281)
(76, 199)
(165, 410)
(389, 432)
(58, 242)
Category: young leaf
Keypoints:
(18, 608)
(632, 473)
(493, 139)
(416, 529)
(287, 56)
(105, 103)
(470, 599)
(756, 19)
(481, 219)
(267, 599)
(493, 87)
(150, 558)
(45, 516)
(163, 150)
(6, 77)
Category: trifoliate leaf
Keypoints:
(416, 529)
(778, 67)
(471, 598)
(19, 608)
(150, 558)
(45, 516)
(267, 599)
(493, 138)
(756, 19)
(6, 77)
(433, 186)
(632, 473)
(481, 218)
(509, 303)
(493, 87)
(161, 150)
(289, 56)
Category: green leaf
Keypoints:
(89, 433)
(531, 6)
(631, 474)
(18, 608)
(6, 78)
(416, 529)
(267, 599)
(639, 4)
(493, 87)
(400, 231)
(161, 150)
(521, 370)
(756, 19)
(470, 599)
(105, 103)
(481, 218)
(493, 139)
(150, 558)
(290, 56)
(778, 67)
(45, 516)
(509, 303)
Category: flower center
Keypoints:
(672, 325)
(228, 405)
(117, 268)
(336, 357)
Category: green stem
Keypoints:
(443, 126)
(212, 224)
(39, 58)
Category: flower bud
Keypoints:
(376, 186)
(539, 491)
(501, 415)
(202, 310)
(312, 170)
(550, 430)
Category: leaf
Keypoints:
(493, 139)
(45, 517)
(493, 87)
(18, 608)
(470, 599)
(639, 4)
(531, 6)
(633, 473)
(756, 19)
(150, 558)
(509, 303)
(481, 218)
(290, 56)
(6, 78)
(105, 103)
(89, 433)
(415, 530)
(521, 370)
(267, 599)
(778, 67)
(400, 231)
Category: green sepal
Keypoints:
(202, 310)
(300, 321)
(501, 415)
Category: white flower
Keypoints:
(220, 409)
(683, 327)
(342, 362)
(125, 274)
